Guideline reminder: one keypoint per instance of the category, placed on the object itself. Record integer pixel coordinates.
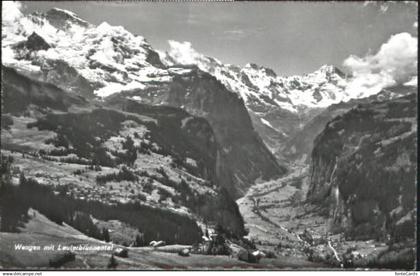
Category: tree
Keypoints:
(131, 154)
(105, 234)
(139, 241)
(13, 210)
(112, 263)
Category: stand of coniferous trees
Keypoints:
(154, 223)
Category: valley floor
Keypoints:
(270, 208)
(274, 212)
(279, 219)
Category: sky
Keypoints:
(289, 37)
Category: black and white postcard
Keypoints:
(208, 135)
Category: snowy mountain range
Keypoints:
(60, 48)
(279, 106)
(106, 59)
(261, 88)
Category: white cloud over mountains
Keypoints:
(395, 63)
(183, 52)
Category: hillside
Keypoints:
(364, 167)
(298, 148)
(157, 155)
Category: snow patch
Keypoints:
(113, 87)
(267, 123)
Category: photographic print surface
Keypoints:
(208, 135)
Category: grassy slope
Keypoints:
(41, 231)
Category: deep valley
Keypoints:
(176, 161)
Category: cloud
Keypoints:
(234, 32)
(184, 53)
(384, 6)
(231, 34)
(395, 63)
(238, 34)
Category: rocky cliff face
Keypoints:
(242, 149)
(299, 146)
(21, 94)
(364, 169)
(243, 157)
(279, 106)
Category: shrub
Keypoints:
(164, 194)
(161, 170)
(61, 259)
(144, 174)
(78, 172)
(148, 186)
(142, 197)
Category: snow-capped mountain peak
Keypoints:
(62, 19)
(260, 86)
(80, 57)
